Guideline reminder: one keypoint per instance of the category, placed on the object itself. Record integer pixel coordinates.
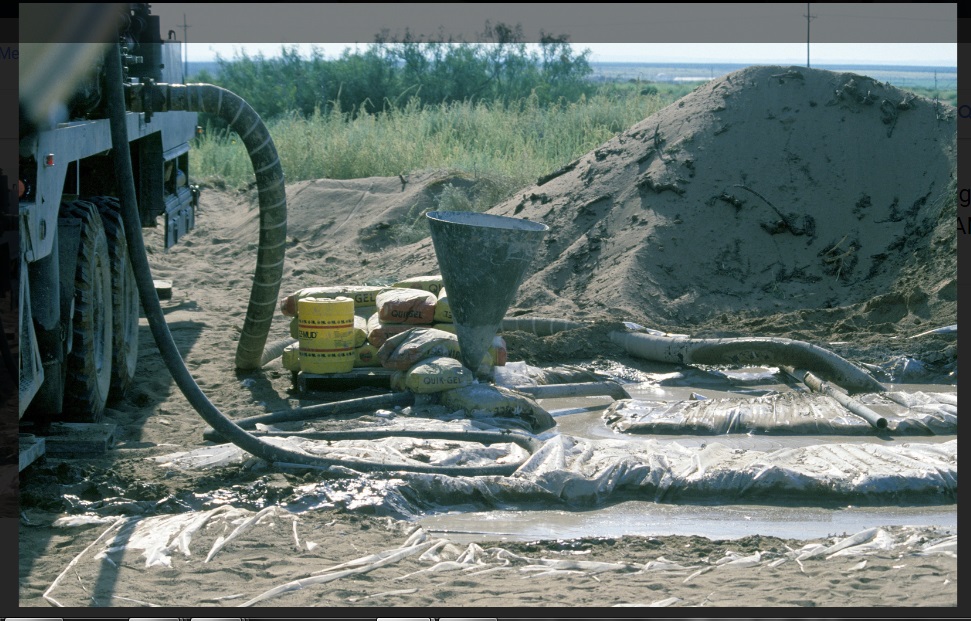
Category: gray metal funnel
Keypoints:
(483, 259)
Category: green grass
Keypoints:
(513, 144)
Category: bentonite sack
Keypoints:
(437, 374)
(401, 351)
(443, 312)
(498, 351)
(378, 331)
(411, 306)
(291, 357)
(362, 296)
(432, 284)
(366, 356)
(499, 401)
(360, 331)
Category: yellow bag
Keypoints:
(360, 331)
(291, 357)
(366, 356)
(443, 312)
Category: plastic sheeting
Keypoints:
(391, 450)
(586, 472)
(787, 413)
(920, 412)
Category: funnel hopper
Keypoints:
(483, 259)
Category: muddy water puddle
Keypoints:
(583, 417)
(650, 519)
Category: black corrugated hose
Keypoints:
(259, 145)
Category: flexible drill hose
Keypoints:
(262, 152)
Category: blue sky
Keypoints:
(928, 54)
(858, 33)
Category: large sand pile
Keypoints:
(793, 196)
(781, 201)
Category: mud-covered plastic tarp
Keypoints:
(585, 472)
(786, 413)
(392, 450)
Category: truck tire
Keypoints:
(124, 299)
(89, 363)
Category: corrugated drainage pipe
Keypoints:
(259, 145)
(749, 351)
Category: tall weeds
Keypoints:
(516, 142)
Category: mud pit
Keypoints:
(773, 202)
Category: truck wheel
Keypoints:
(89, 363)
(124, 299)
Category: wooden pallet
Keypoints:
(364, 377)
(31, 449)
(79, 439)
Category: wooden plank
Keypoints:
(77, 439)
(31, 449)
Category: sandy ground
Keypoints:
(265, 563)
(820, 201)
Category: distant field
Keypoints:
(901, 76)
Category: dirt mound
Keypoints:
(773, 201)
(347, 231)
(771, 196)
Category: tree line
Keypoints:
(391, 73)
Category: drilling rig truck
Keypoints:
(78, 301)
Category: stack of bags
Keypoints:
(383, 312)
(409, 329)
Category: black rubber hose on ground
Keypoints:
(530, 444)
(153, 309)
(313, 412)
(749, 351)
(736, 351)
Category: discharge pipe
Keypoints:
(749, 351)
(269, 175)
(679, 349)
